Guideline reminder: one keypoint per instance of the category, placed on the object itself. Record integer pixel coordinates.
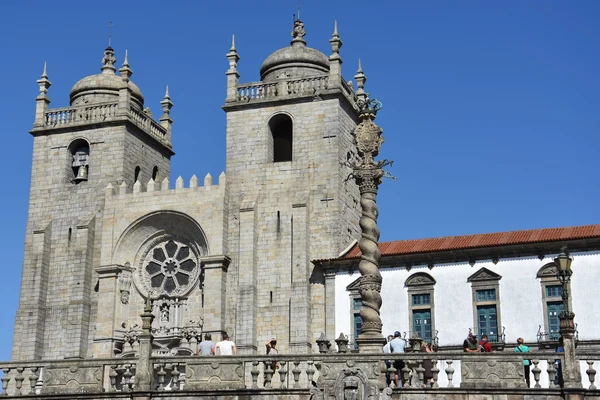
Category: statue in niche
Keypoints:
(164, 314)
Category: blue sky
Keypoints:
(491, 109)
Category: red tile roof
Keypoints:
(401, 247)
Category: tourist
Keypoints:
(225, 347)
(397, 346)
(470, 344)
(272, 350)
(427, 365)
(386, 350)
(206, 347)
(485, 344)
(521, 348)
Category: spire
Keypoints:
(42, 100)
(360, 79)
(336, 43)
(108, 61)
(232, 43)
(298, 34)
(125, 70)
(44, 83)
(233, 57)
(232, 73)
(165, 119)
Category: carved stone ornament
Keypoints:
(109, 57)
(169, 267)
(125, 286)
(420, 279)
(368, 140)
(298, 31)
(548, 270)
(484, 274)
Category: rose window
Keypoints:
(169, 268)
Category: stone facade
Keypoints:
(107, 230)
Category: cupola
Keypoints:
(104, 87)
(295, 61)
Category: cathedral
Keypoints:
(107, 229)
(117, 255)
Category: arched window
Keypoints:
(137, 174)
(154, 173)
(421, 306)
(79, 160)
(281, 128)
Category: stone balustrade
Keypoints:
(147, 124)
(299, 373)
(257, 90)
(104, 112)
(289, 88)
(68, 116)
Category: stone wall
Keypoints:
(283, 215)
(57, 306)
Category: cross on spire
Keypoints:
(110, 25)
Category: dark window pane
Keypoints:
(158, 254)
(188, 265)
(421, 299)
(183, 253)
(554, 291)
(169, 284)
(171, 248)
(157, 281)
(485, 295)
(152, 268)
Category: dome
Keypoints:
(104, 87)
(296, 61)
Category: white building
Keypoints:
(502, 284)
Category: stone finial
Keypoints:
(42, 101)
(108, 61)
(125, 70)
(323, 343)
(222, 178)
(165, 184)
(342, 343)
(165, 120)
(298, 33)
(335, 61)
(109, 189)
(360, 79)
(232, 73)
(208, 180)
(336, 43)
(194, 181)
(43, 83)
(179, 183)
(233, 57)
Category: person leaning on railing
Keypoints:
(470, 344)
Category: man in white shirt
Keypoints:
(225, 347)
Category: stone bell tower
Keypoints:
(289, 138)
(104, 136)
